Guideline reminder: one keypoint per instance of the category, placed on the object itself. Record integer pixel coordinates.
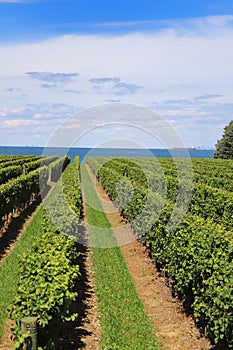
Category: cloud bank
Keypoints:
(185, 72)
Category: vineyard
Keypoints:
(23, 181)
(180, 210)
(48, 272)
(194, 249)
(46, 267)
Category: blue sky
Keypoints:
(60, 57)
(27, 20)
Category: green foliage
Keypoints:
(10, 157)
(126, 184)
(17, 192)
(12, 160)
(9, 270)
(21, 166)
(48, 272)
(199, 259)
(47, 279)
(71, 187)
(224, 146)
(13, 194)
(64, 205)
(211, 202)
(197, 255)
(9, 172)
(44, 161)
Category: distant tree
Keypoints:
(224, 147)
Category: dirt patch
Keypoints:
(174, 329)
(90, 323)
(7, 343)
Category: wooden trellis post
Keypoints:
(29, 326)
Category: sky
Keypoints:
(62, 60)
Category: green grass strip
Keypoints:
(124, 324)
(9, 271)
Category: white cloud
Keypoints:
(125, 88)
(113, 86)
(38, 116)
(157, 60)
(18, 123)
(104, 80)
(185, 69)
(52, 79)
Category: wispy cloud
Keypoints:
(113, 100)
(196, 26)
(208, 97)
(9, 123)
(47, 86)
(98, 81)
(125, 88)
(52, 79)
(13, 89)
(71, 91)
(181, 102)
(115, 86)
(207, 26)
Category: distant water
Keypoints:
(107, 152)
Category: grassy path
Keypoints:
(124, 323)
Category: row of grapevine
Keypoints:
(16, 193)
(211, 202)
(10, 172)
(206, 171)
(71, 187)
(206, 201)
(211, 195)
(44, 161)
(10, 157)
(67, 214)
(13, 171)
(197, 254)
(49, 272)
(17, 160)
(223, 182)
